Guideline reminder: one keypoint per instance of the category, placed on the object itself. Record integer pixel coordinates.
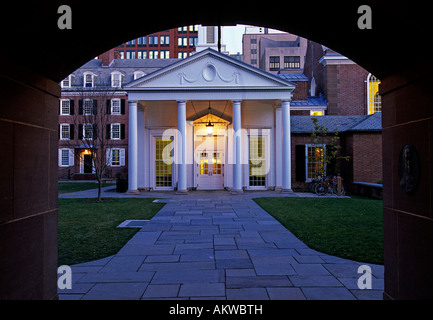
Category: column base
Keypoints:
(238, 191)
(133, 192)
(181, 191)
(286, 191)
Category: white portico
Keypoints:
(209, 122)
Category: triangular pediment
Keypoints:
(209, 69)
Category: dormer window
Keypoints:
(89, 80)
(138, 74)
(116, 79)
(66, 83)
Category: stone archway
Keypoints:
(28, 118)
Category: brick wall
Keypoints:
(367, 157)
(347, 89)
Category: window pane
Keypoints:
(257, 162)
(163, 163)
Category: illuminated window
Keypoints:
(257, 162)
(316, 113)
(315, 160)
(163, 163)
(373, 98)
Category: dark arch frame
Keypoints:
(36, 55)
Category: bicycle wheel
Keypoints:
(321, 189)
(335, 190)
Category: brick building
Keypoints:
(173, 43)
(93, 113)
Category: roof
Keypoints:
(343, 123)
(126, 67)
(293, 76)
(310, 102)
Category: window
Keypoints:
(274, 63)
(182, 42)
(163, 163)
(115, 131)
(65, 132)
(316, 113)
(153, 54)
(88, 107)
(257, 161)
(315, 161)
(193, 41)
(131, 43)
(292, 62)
(66, 83)
(66, 157)
(253, 51)
(164, 40)
(193, 28)
(374, 99)
(138, 74)
(142, 41)
(182, 29)
(141, 54)
(253, 41)
(210, 34)
(115, 157)
(122, 54)
(88, 131)
(153, 40)
(88, 80)
(115, 106)
(65, 107)
(116, 79)
(165, 54)
(182, 54)
(130, 54)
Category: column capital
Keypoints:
(237, 100)
(181, 101)
(132, 101)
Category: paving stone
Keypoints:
(187, 276)
(162, 258)
(116, 291)
(285, 294)
(328, 294)
(202, 290)
(247, 294)
(309, 269)
(258, 281)
(315, 281)
(161, 291)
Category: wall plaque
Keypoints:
(408, 168)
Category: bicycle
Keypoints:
(329, 185)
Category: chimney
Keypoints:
(108, 57)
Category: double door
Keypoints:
(210, 170)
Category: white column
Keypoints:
(132, 148)
(278, 148)
(287, 178)
(237, 147)
(181, 147)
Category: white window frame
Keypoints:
(92, 77)
(68, 106)
(68, 81)
(109, 157)
(84, 131)
(85, 112)
(266, 135)
(116, 109)
(307, 179)
(112, 131)
(116, 79)
(62, 152)
(138, 74)
(68, 136)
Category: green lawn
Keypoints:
(349, 228)
(67, 187)
(87, 229)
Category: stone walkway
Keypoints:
(218, 246)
